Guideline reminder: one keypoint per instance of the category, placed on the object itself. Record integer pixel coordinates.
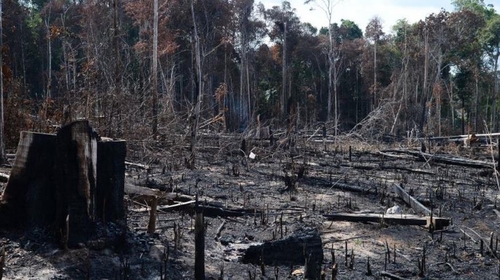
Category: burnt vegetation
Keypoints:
(228, 140)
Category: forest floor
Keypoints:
(251, 201)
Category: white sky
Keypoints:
(361, 11)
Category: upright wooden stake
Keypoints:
(152, 216)
(2, 262)
(199, 244)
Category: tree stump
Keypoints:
(29, 194)
(73, 174)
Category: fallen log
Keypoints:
(303, 245)
(446, 159)
(411, 201)
(456, 138)
(166, 207)
(395, 219)
(217, 211)
(391, 276)
(409, 157)
(137, 165)
(134, 190)
(316, 181)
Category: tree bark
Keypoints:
(155, 69)
(30, 190)
(302, 246)
(199, 243)
(71, 175)
(197, 108)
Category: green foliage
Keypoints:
(473, 5)
(350, 30)
(490, 35)
(34, 20)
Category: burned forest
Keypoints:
(229, 139)
(304, 206)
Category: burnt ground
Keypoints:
(274, 208)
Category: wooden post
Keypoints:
(324, 136)
(2, 262)
(152, 216)
(199, 244)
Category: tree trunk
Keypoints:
(302, 246)
(72, 175)
(199, 243)
(424, 87)
(284, 94)
(155, 69)
(330, 73)
(495, 95)
(30, 187)
(374, 103)
(49, 60)
(197, 109)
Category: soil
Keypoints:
(287, 188)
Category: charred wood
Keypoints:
(293, 250)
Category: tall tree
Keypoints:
(243, 12)
(351, 95)
(374, 32)
(487, 36)
(155, 67)
(465, 27)
(491, 37)
(285, 29)
(327, 6)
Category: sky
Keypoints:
(362, 11)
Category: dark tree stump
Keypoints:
(111, 179)
(73, 175)
(30, 191)
(291, 250)
(76, 180)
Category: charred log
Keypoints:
(293, 250)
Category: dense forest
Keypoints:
(141, 69)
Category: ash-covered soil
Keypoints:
(284, 190)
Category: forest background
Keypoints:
(141, 69)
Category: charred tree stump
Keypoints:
(66, 183)
(302, 246)
(76, 181)
(111, 179)
(30, 190)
